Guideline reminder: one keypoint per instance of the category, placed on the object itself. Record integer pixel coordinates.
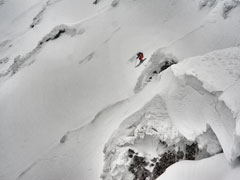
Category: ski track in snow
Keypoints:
(104, 10)
(91, 55)
(112, 34)
(87, 58)
(183, 36)
(28, 169)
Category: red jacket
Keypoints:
(140, 56)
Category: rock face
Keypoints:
(147, 143)
(54, 34)
(144, 168)
(186, 120)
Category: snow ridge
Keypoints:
(58, 31)
(148, 134)
(158, 62)
(207, 70)
(37, 19)
(191, 108)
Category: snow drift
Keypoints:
(190, 99)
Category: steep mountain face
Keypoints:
(69, 89)
(189, 118)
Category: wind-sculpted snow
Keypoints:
(58, 31)
(213, 76)
(37, 19)
(228, 7)
(225, 6)
(147, 143)
(157, 63)
(204, 3)
(197, 106)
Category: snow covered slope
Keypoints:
(63, 61)
(191, 98)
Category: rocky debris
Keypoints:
(138, 164)
(191, 151)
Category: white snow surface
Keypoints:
(211, 168)
(190, 104)
(216, 72)
(67, 83)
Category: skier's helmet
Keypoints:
(139, 54)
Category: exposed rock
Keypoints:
(58, 31)
(137, 167)
(63, 139)
(228, 6)
(158, 62)
(138, 164)
(96, 1)
(191, 151)
(38, 17)
(127, 151)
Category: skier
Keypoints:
(140, 56)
